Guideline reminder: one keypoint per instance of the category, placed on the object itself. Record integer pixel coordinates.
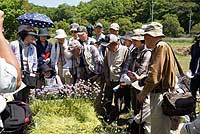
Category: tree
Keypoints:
(125, 25)
(62, 25)
(12, 9)
(171, 25)
(196, 28)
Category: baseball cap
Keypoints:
(98, 25)
(114, 26)
(74, 27)
(111, 39)
(81, 30)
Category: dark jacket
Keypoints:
(43, 52)
(195, 55)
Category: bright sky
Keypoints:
(55, 3)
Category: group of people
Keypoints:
(140, 58)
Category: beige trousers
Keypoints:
(160, 123)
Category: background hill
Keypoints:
(175, 15)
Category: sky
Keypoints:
(55, 3)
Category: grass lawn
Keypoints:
(72, 116)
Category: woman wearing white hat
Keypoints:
(58, 59)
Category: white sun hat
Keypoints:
(60, 33)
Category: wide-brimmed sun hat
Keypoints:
(128, 35)
(23, 27)
(138, 34)
(154, 29)
(60, 33)
(43, 32)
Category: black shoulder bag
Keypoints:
(178, 104)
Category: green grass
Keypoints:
(63, 117)
(184, 61)
(179, 42)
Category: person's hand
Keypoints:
(132, 76)
(68, 74)
(141, 98)
(122, 84)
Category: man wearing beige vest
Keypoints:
(115, 64)
(161, 77)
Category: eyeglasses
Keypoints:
(73, 31)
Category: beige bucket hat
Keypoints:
(138, 34)
(154, 29)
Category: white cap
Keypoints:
(60, 33)
(114, 26)
(98, 25)
(112, 38)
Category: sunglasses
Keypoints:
(73, 31)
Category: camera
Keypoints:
(103, 40)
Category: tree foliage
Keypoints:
(171, 25)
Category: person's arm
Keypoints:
(59, 82)
(6, 52)
(106, 69)
(126, 62)
(97, 58)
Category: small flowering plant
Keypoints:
(81, 89)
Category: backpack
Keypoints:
(15, 117)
